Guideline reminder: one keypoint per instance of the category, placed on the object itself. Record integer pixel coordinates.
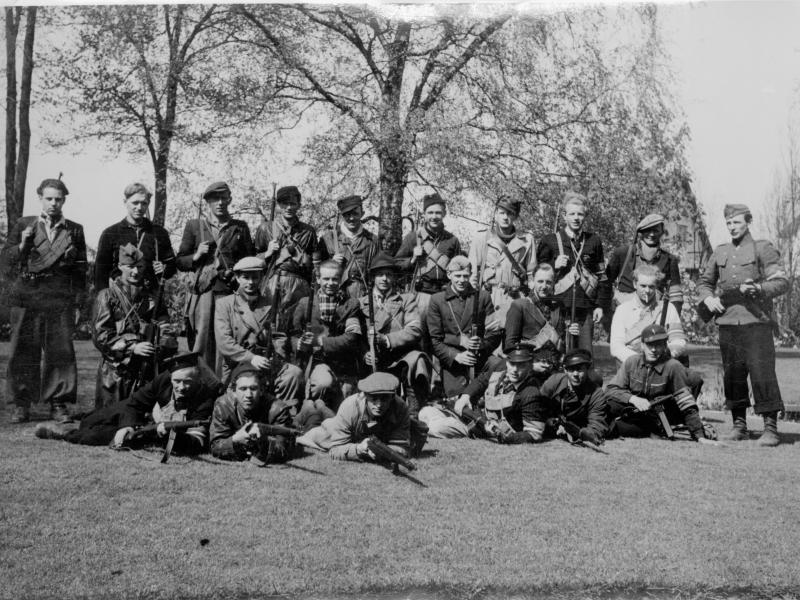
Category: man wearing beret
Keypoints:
(121, 314)
(137, 229)
(376, 410)
(44, 258)
(645, 250)
(287, 245)
(245, 330)
(450, 320)
(577, 257)
(350, 245)
(397, 333)
(210, 247)
(506, 256)
(185, 392)
(644, 378)
(737, 286)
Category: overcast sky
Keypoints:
(737, 65)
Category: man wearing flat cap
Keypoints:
(376, 410)
(44, 258)
(737, 287)
(450, 319)
(350, 245)
(397, 333)
(506, 257)
(649, 376)
(287, 245)
(137, 229)
(210, 247)
(120, 317)
(645, 250)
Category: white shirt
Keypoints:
(631, 317)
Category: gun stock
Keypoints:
(386, 454)
(145, 430)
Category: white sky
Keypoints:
(737, 66)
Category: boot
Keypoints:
(20, 415)
(739, 432)
(770, 437)
(60, 414)
(52, 431)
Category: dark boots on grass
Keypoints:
(739, 432)
(768, 439)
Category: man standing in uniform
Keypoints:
(350, 245)
(151, 239)
(47, 257)
(210, 247)
(748, 274)
(507, 257)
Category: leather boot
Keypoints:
(770, 437)
(739, 432)
(52, 431)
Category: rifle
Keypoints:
(308, 329)
(571, 433)
(412, 286)
(262, 343)
(384, 453)
(267, 429)
(274, 201)
(173, 427)
(733, 295)
(372, 334)
(474, 330)
(152, 333)
(657, 408)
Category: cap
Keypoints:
(348, 203)
(243, 368)
(182, 361)
(654, 333)
(459, 263)
(577, 356)
(249, 263)
(129, 255)
(285, 194)
(379, 383)
(382, 261)
(218, 187)
(431, 199)
(520, 354)
(509, 204)
(732, 210)
(650, 221)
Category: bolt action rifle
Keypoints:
(172, 428)
(567, 430)
(412, 286)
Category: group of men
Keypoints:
(328, 341)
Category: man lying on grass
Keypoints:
(650, 393)
(184, 393)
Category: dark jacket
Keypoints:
(584, 406)
(526, 319)
(297, 248)
(519, 405)
(153, 241)
(431, 274)
(358, 256)
(229, 417)
(665, 262)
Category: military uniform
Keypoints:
(584, 405)
(534, 321)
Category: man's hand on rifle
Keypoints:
(641, 404)
(589, 435)
(26, 239)
(574, 329)
(261, 362)
(144, 349)
(306, 343)
(158, 267)
(362, 449)
(368, 358)
(202, 249)
(272, 248)
(245, 433)
(750, 288)
(462, 403)
(597, 315)
(562, 260)
(121, 436)
(474, 344)
(466, 358)
(417, 254)
(339, 257)
(714, 304)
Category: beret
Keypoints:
(348, 203)
(731, 210)
(379, 383)
(182, 361)
(249, 263)
(577, 356)
(129, 255)
(286, 193)
(382, 261)
(431, 199)
(459, 263)
(218, 187)
(519, 354)
(52, 183)
(654, 333)
(509, 204)
(243, 368)
(649, 221)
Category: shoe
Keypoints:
(770, 439)
(59, 414)
(51, 431)
(739, 432)
(20, 415)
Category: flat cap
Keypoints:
(244, 368)
(649, 221)
(654, 333)
(431, 199)
(286, 193)
(379, 383)
(732, 210)
(577, 356)
(182, 361)
(52, 183)
(129, 255)
(249, 263)
(348, 203)
(218, 187)
(509, 204)
(382, 261)
(459, 263)
(520, 354)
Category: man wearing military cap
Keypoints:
(506, 257)
(137, 229)
(645, 250)
(350, 245)
(737, 287)
(210, 247)
(120, 317)
(648, 376)
(397, 333)
(246, 332)
(287, 245)
(376, 410)
(44, 258)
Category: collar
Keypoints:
(46, 221)
(389, 295)
(573, 236)
(658, 367)
(434, 235)
(346, 232)
(647, 254)
(450, 293)
(641, 305)
(144, 224)
(747, 237)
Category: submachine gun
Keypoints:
(386, 455)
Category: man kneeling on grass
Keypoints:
(376, 410)
(248, 422)
(650, 393)
(184, 393)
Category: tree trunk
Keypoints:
(12, 28)
(21, 176)
(393, 178)
(160, 195)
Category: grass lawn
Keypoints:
(652, 519)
